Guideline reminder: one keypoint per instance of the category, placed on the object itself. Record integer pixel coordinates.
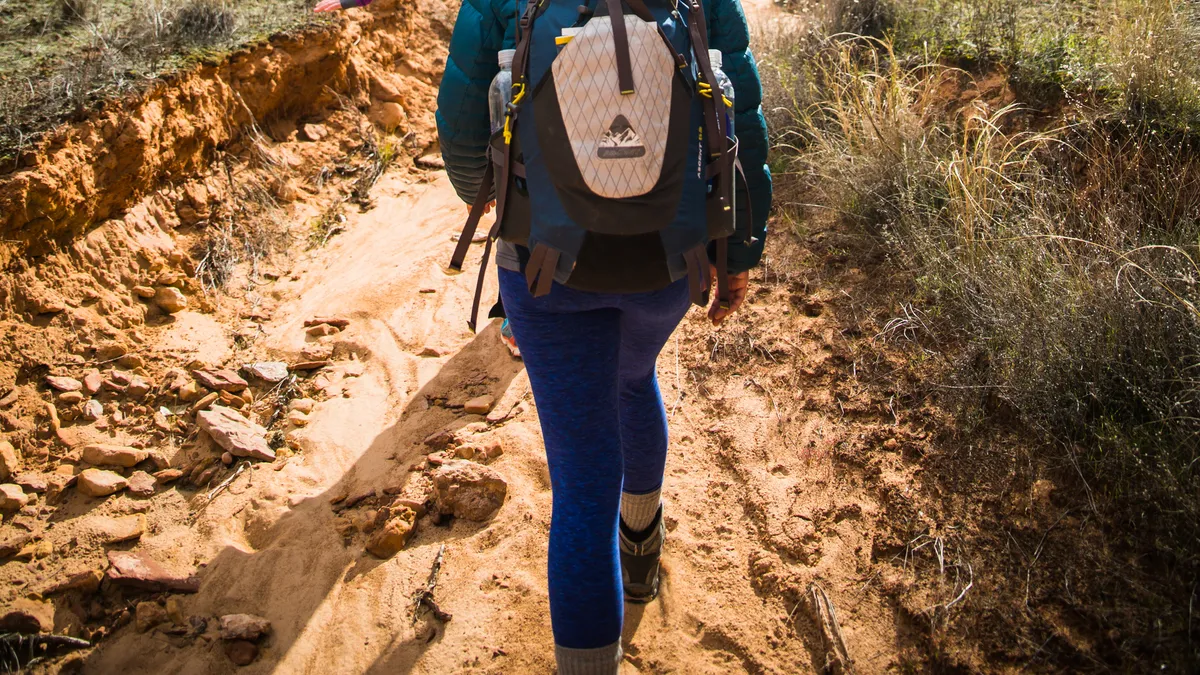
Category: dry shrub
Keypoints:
(204, 22)
(77, 11)
(859, 17)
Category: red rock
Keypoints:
(31, 482)
(480, 405)
(314, 132)
(104, 454)
(148, 615)
(141, 571)
(12, 497)
(335, 321)
(238, 435)
(112, 530)
(138, 387)
(92, 381)
(63, 383)
(8, 460)
(170, 300)
(99, 483)
(10, 546)
(142, 484)
(220, 380)
(390, 539)
(167, 475)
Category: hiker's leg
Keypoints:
(647, 321)
(570, 344)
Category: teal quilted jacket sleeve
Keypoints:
(482, 29)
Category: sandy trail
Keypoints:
(756, 507)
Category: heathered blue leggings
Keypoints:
(591, 363)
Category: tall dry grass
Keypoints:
(1055, 272)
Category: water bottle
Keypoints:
(500, 93)
(726, 87)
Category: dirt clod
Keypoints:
(27, 616)
(390, 539)
(468, 490)
(148, 615)
(244, 627)
(170, 300)
(241, 652)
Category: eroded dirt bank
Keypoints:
(96, 169)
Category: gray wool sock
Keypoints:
(638, 511)
(599, 661)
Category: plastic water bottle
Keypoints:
(500, 93)
(725, 85)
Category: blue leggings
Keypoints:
(591, 363)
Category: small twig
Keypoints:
(225, 483)
(968, 587)
(678, 387)
(425, 595)
(837, 656)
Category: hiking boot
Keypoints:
(640, 552)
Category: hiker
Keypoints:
(591, 305)
(620, 196)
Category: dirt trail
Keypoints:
(773, 480)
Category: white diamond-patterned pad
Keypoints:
(618, 140)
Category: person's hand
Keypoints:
(738, 284)
(328, 6)
(486, 209)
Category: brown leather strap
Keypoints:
(468, 232)
(723, 295)
(503, 161)
(483, 268)
(699, 279)
(616, 14)
(539, 271)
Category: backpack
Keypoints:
(616, 133)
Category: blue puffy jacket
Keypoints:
(484, 27)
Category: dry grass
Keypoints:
(1054, 273)
(1130, 57)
